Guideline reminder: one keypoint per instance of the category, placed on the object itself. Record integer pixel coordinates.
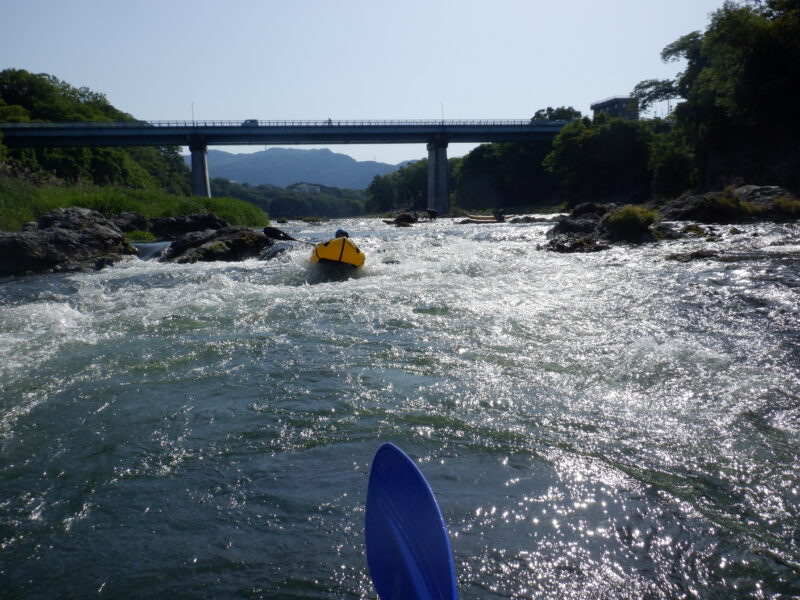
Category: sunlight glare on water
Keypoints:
(611, 425)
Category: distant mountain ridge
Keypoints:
(284, 166)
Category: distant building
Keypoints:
(625, 107)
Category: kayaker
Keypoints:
(338, 250)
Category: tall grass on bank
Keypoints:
(21, 202)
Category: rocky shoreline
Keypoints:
(79, 239)
(594, 227)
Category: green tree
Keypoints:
(605, 159)
(412, 185)
(26, 96)
(477, 179)
(654, 90)
(741, 87)
(406, 188)
(672, 165)
(381, 194)
(562, 113)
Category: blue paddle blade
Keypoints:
(408, 549)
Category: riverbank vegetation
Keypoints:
(22, 202)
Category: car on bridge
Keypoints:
(250, 123)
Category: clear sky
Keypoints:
(348, 59)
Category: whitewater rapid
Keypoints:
(613, 425)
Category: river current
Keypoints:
(609, 425)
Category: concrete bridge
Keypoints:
(199, 135)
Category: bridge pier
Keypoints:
(200, 184)
(438, 188)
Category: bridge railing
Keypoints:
(310, 123)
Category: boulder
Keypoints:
(572, 243)
(530, 219)
(405, 218)
(760, 195)
(579, 231)
(131, 221)
(66, 239)
(174, 227)
(711, 207)
(746, 203)
(694, 255)
(771, 201)
(592, 227)
(665, 231)
(274, 233)
(230, 243)
(569, 224)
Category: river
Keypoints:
(609, 425)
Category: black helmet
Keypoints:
(342, 233)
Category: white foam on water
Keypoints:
(625, 395)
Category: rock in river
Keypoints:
(743, 204)
(228, 243)
(174, 227)
(66, 239)
(580, 231)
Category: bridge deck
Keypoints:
(220, 133)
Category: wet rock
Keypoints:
(592, 227)
(761, 195)
(694, 230)
(695, 255)
(405, 217)
(274, 233)
(712, 207)
(403, 220)
(665, 231)
(66, 239)
(580, 231)
(569, 244)
(174, 227)
(230, 243)
(529, 219)
(131, 221)
(744, 204)
(772, 202)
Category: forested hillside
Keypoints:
(29, 97)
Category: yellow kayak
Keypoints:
(338, 250)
